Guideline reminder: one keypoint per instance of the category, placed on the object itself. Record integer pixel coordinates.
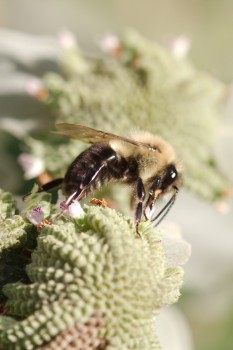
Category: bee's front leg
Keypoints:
(139, 207)
(153, 195)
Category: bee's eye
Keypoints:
(169, 177)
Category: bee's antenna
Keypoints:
(166, 208)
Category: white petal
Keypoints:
(75, 210)
(173, 330)
(33, 86)
(180, 46)
(109, 43)
(67, 40)
(32, 166)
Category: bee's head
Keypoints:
(170, 179)
(168, 182)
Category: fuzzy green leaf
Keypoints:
(7, 205)
(17, 238)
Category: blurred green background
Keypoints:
(203, 318)
(207, 22)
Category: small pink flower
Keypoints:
(33, 86)
(61, 202)
(63, 205)
(67, 40)
(223, 207)
(109, 43)
(73, 210)
(180, 46)
(36, 216)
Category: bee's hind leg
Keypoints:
(48, 186)
(51, 185)
(84, 186)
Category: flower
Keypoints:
(74, 210)
(110, 43)
(32, 166)
(67, 40)
(180, 46)
(35, 88)
(222, 207)
(36, 216)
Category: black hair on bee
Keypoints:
(145, 162)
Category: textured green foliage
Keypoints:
(12, 231)
(16, 239)
(90, 273)
(7, 205)
(141, 85)
(17, 234)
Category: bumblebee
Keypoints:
(145, 162)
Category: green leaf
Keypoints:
(93, 265)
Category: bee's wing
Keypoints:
(90, 135)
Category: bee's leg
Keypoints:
(88, 180)
(51, 185)
(140, 198)
(48, 186)
(153, 195)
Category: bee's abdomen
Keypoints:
(88, 163)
